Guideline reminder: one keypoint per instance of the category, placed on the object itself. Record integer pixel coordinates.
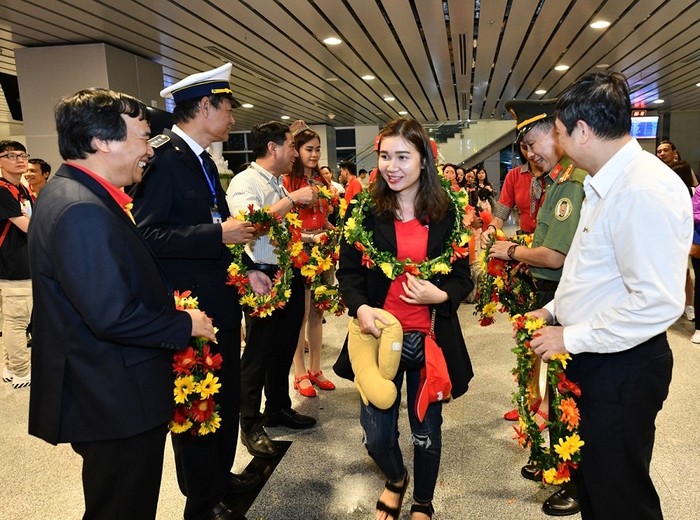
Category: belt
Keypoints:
(545, 285)
(265, 268)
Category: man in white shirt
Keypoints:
(617, 296)
(271, 340)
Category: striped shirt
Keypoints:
(257, 187)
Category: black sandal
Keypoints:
(426, 509)
(394, 512)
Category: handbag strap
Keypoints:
(431, 333)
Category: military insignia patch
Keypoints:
(158, 140)
(563, 209)
(566, 175)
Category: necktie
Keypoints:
(209, 166)
(210, 173)
(535, 193)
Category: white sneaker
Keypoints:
(22, 382)
(696, 337)
(6, 375)
(690, 313)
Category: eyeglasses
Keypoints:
(14, 156)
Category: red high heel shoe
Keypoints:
(323, 385)
(310, 391)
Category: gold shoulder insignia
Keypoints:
(566, 175)
(158, 140)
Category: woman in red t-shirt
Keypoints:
(409, 215)
(314, 222)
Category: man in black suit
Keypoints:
(181, 209)
(105, 323)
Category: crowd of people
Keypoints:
(151, 217)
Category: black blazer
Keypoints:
(359, 285)
(104, 325)
(172, 208)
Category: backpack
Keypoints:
(15, 193)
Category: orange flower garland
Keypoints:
(504, 286)
(285, 234)
(195, 383)
(563, 421)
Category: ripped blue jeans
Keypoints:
(381, 438)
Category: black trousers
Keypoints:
(621, 394)
(203, 463)
(121, 477)
(267, 358)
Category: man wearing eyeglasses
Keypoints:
(15, 210)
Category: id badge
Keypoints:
(215, 215)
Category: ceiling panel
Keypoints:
(422, 52)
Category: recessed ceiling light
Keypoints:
(389, 98)
(284, 117)
(332, 40)
(697, 84)
(403, 112)
(332, 78)
(658, 101)
(602, 66)
(540, 92)
(561, 68)
(368, 77)
(247, 105)
(600, 24)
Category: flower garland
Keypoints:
(195, 382)
(288, 246)
(457, 243)
(324, 256)
(563, 420)
(504, 285)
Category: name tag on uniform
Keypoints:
(215, 215)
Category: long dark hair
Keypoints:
(432, 202)
(296, 176)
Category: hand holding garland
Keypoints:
(549, 341)
(421, 292)
(235, 231)
(202, 325)
(563, 422)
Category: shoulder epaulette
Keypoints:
(158, 140)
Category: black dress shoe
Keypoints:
(291, 419)
(561, 503)
(222, 511)
(259, 444)
(239, 484)
(530, 472)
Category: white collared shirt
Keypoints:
(624, 277)
(194, 145)
(258, 187)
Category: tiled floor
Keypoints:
(326, 473)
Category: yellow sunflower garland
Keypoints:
(195, 383)
(563, 421)
(504, 285)
(285, 235)
(457, 244)
(323, 258)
